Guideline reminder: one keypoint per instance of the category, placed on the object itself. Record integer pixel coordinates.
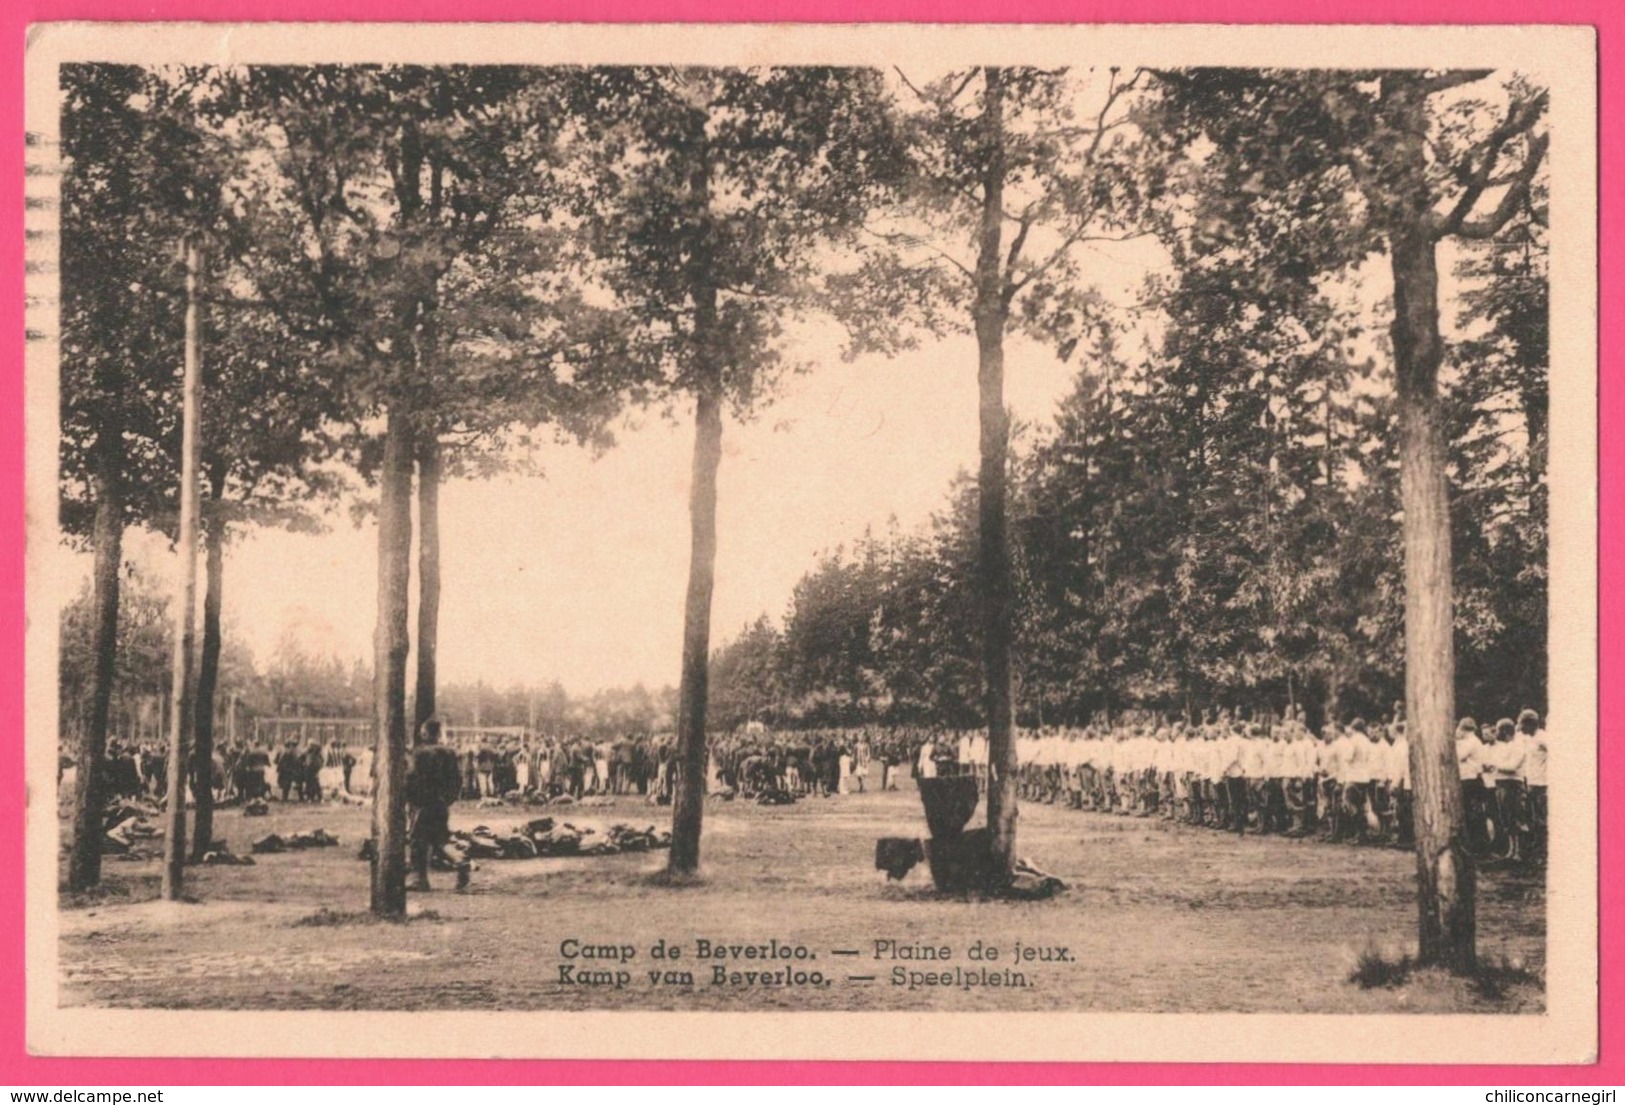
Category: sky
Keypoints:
(580, 575)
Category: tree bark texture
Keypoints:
(688, 802)
(688, 798)
(1446, 879)
(107, 540)
(429, 475)
(993, 545)
(391, 648)
(208, 678)
(182, 672)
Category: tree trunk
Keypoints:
(1445, 872)
(429, 468)
(688, 802)
(1536, 417)
(688, 797)
(993, 546)
(107, 538)
(208, 677)
(182, 672)
(391, 647)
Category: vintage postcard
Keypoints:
(829, 542)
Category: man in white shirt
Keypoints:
(1504, 773)
(1298, 791)
(1233, 770)
(1329, 769)
(1276, 771)
(1253, 769)
(1404, 809)
(1356, 778)
(1534, 775)
(1470, 767)
(1186, 784)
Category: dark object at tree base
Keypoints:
(964, 863)
(961, 862)
(257, 808)
(1029, 884)
(898, 855)
(949, 804)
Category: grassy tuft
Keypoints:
(1373, 970)
(1495, 978)
(335, 918)
(112, 890)
(666, 878)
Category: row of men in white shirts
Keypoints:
(1356, 753)
(1287, 750)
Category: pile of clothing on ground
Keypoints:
(540, 837)
(293, 842)
(531, 798)
(221, 855)
(129, 829)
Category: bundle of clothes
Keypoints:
(130, 832)
(128, 829)
(541, 837)
(532, 798)
(221, 855)
(273, 843)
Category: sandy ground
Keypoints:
(1157, 918)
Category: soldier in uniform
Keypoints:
(1470, 765)
(433, 783)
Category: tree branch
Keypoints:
(1025, 224)
(1013, 287)
(915, 240)
(1114, 92)
(1514, 197)
(902, 76)
(1519, 119)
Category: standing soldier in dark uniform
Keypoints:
(289, 767)
(310, 778)
(433, 783)
(639, 765)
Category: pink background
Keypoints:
(17, 1068)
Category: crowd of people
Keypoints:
(1265, 774)
(1351, 783)
(237, 771)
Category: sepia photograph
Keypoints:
(783, 542)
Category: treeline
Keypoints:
(1211, 525)
(293, 682)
